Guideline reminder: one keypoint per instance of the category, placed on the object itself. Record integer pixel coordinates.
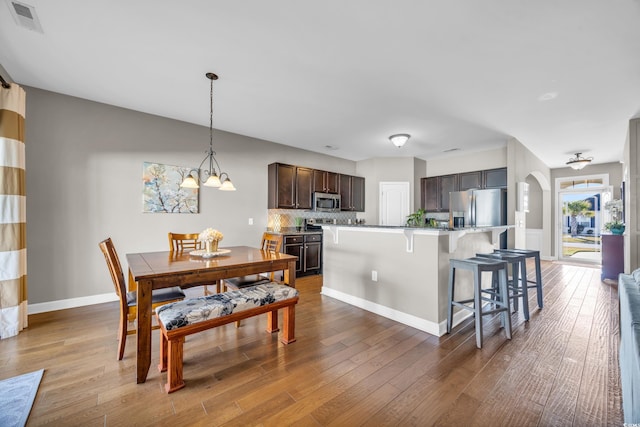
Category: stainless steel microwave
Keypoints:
(325, 202)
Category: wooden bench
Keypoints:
(193, 315)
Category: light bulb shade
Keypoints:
(399, 139)
(189, 182)
(578, 162)
(578, 165)
(213, 181)
(227, 185)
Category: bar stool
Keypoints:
(517, 286)
(500, 300)
(529, 253)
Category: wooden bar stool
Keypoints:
(537, 283)
(517, 286)
(499, 300)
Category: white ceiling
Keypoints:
(464, 74)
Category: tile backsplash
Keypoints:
(286, 218)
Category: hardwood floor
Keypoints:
(348, 367)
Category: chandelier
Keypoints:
(209, 177)
(578, 162)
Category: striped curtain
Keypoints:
(13, 217)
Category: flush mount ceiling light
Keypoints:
(209, 177)
(399, 139)
(578, 162)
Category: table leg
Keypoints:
(290, 274)
(143, 332)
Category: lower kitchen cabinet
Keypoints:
(308, 249)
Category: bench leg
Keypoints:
(289, 325)
(272, 321)
(174, 371)
(162, 366)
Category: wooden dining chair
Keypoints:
(128, 300)
(179, 243)
(271, 243)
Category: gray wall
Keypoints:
(84, 168)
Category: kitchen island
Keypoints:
(402, 272)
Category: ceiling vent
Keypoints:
(24, 15)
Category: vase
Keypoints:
(617, 229)
(211, 246)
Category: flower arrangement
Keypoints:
(210, 235)
(614, 207)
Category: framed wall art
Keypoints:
(161, 191)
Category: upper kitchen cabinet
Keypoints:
(326, 182)
(448, 183)
(351, 193)
(429, 193)
(470, 180)
(290, 187)
(435, 192)
(494, 178)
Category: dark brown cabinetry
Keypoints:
(304, 188)
(494, 178)
(434, 190)
(308, 249)
(351, 193)
(326, 182)
(448, 183)
(429, 193)
(612, 256)
(470, 180)
(290, 187)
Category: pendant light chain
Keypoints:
(211, 120)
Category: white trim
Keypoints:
(44, 307)
(437, 329)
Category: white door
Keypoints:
(394, 203)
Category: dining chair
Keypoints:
(128, 300)
(270, 243)
(179, 243)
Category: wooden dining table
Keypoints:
(157, 270)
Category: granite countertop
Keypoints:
(401, 227)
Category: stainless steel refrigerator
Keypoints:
(478, 208)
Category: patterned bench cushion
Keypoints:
(194, 310)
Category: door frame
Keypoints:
(605, 187)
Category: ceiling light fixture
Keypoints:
(211, 178)
(399, 139)
(578, 162)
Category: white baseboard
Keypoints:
(70, 303)
(437, 329)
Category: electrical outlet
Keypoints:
(374, 275)
(250, 221)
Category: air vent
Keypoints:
(24, 15)
(451, 149)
